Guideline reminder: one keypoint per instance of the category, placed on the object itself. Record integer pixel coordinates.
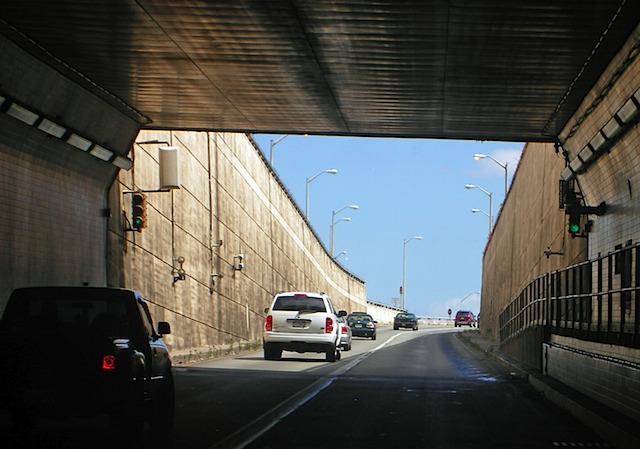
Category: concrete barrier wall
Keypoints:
(382, 313)
(531, 220)
(609, 374)
(230, 203)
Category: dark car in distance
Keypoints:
(464, 318)
(405, 320)
(362, 325)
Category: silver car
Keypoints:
(345, 334)
(302, 322)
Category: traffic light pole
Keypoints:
(575, 211)
(138, 209)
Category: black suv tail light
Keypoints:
(109, 362)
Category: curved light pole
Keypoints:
(472, 293)
(342, 253)
(472, 186)
(331, 171)
(404, 266)
(475, 211)
(273, 144)
(334, 222)
(479, 156)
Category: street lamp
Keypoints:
(333, 223)
(472, 293)
(475, 211)
(404, 266)
(342, 253)
(471, 186)
(479, 156)
(273, 144)
(331, 171)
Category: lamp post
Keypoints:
(472, 293)
(475, 211)
(331, 171)
(404, 267)
(273, 144)
(479, 156)
(334, 222)
(342, 253)
(471, 186)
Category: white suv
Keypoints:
(302, 322)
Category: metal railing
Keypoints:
(598, 300)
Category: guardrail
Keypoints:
(598, 300)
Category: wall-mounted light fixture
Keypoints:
(212, 280)
(238, 264)
(178, 272)
(60, 131)
(622, 120)
(548, 252)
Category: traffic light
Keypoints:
(574, 212)
(138, 211)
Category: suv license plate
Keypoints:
(299, 323)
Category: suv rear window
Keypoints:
(74, 311)
(299, 304)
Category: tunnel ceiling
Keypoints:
(458, 69)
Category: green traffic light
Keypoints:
(138, 222)
(574, 228)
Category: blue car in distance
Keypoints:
(362, 325)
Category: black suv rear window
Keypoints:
(72, 311)
(299, 304)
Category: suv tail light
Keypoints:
(268, 323)
(370, 325)
(343, 328)
(328, 327)
(109, 362)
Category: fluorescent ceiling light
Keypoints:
(52, 128)
(22, 114)
(576, 164)
(597, 142)
(122, 162)
(101, 153)
(628, 111)
(586, 154)
(79, 142)
(611, 128)
(566, 174)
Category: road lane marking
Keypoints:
(261, 425)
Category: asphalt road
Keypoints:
(423, 389)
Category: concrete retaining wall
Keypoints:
(230, 203)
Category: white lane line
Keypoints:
(259, 426)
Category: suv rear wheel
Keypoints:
(332, 355)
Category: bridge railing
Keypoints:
(598, 300)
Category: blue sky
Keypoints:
(403, 188)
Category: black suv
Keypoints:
(85, 351)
